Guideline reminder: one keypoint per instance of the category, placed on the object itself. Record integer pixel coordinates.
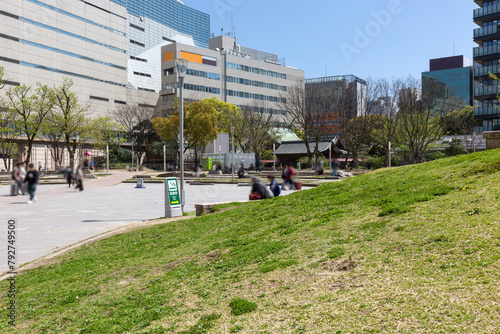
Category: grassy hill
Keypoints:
(407, 250)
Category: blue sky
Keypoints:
(377, 38)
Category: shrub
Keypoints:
(241, 306)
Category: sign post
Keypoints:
(172, 198)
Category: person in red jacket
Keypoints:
(289, 173)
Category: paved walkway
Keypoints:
(63, 217)
(45, 192)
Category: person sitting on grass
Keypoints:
(274, 185)
(259, 190)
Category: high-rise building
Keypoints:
(448, 83)
(486, 61)
(242, 76)
(110, 48)
(153, 24)
(331, 85)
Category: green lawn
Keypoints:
(408, 250)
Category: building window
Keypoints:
(143, 74)
(120, 102)
(138, 43)
(98, 98)
(137, 27)
(139, 59)
(146, 89)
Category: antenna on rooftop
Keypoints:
(233, 29)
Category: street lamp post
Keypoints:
(107, 158)
(164, 158)
(181, 65)
(232, 153)
(274, 157)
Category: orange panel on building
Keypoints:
(168, 56)
(192, 57)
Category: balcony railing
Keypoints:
(480, 12)
(489, 110)
(480, 32)
(486, 50)
(486, 90)
(485, 70)
(481, 129)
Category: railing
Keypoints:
(480, 32)
(486, 70)
(486, 90)
(480, 12)
(486, 51)
(488, 110)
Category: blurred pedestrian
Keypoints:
(259, 190)
(31, 180)
(335, 168)
(289, 173)
(274, 186)
(22, 170)
(79, 178)
(69, 176)
(18, 179)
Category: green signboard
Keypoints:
(173, 192)
(209, 164)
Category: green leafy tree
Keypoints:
(71, 117)
(106, 132)
(461, 122)
(200, 125)
(9, 132)
(32, 107)
(228, 114)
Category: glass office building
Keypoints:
(454, 85)
(173, 14)
(486, 61)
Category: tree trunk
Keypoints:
(30, 148)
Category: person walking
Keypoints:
(18, 179)
(79, 178)
(274, 186)
(31, 180)
(22, 170)
(335, 168)
(69, 176)
(289, 177)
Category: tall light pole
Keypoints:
(132, 155)
(232, 153)
(164, 158)
(107, 159)
(274, 157)
(181, 65)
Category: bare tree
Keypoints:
(136, 120)
(319, 111)
(256, 130)
(297, 119)
(386, 134)
(419, 124)
(358, 117)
